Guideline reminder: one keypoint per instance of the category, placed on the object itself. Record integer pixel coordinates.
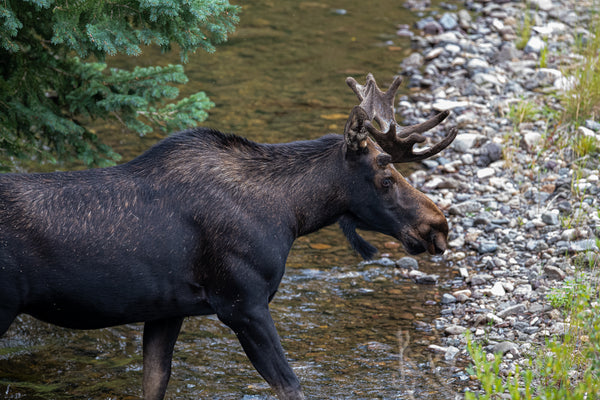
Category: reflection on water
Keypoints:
(279, 78)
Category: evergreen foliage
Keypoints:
(53, 75)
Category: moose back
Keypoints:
(202, 223)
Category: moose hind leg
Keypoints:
(159, 340)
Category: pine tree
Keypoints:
(53, 74)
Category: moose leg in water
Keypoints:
(159, 340)
(256, 332)
(240, 298)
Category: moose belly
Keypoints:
(96, 300)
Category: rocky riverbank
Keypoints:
(523, 207)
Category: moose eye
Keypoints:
(386, 182)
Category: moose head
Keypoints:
(387, 203)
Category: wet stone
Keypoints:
(407, 263)
(448, 299)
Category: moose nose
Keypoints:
(438, 243)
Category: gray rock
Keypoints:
(505, 347)
(480, 279)
(512, 310)
(407, 263)
(498, 290)
(477, 63)
(544, 5)
(593, 125)
(447, 298)
(489, 153)
(530, 140)
(554, 273)
(423, 278)
(414, 61)
(449, 21)
(454, 330)
(464, 19)
(508, 52)
(433, 28)
(534, 45)
(583, 245)
(487, 247)
(550, 218)
(469, 206)
(451, 353)
(523, 290)
(466, 141)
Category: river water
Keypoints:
(351, 330)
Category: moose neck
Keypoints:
(309, 178)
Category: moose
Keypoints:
(202, 223)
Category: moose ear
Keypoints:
(383, 159)
(355, 131)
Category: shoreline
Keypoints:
(522, 210)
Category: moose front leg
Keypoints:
(159, 340)
(256, 332)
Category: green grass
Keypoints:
(524, 30)
(583, 99)
(568, 366)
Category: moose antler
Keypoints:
(397, 141)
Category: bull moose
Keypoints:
(202, 223)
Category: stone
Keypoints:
(593, 125)
(469, 206)
(530, 140)
(414, 61)
(487, 246)
(550, 218)
(449, 21)
(451, 353)
(534, 45)
(512, 310)
(407, 263)
(489, 153)
(454, 330)
(466, 141)
(446, 105)
(464, 19)
(477, 63)
(554, 273)
(434, 53)
(485, 173)
(433, 28)
(505, 347)
(583, 245)
(448, 299)
(559, 328)
(437, 349)
(523, 290)
(480, 279)
(544, 5)
(498, 290)
(423, 278)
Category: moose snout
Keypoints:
(438, 243)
